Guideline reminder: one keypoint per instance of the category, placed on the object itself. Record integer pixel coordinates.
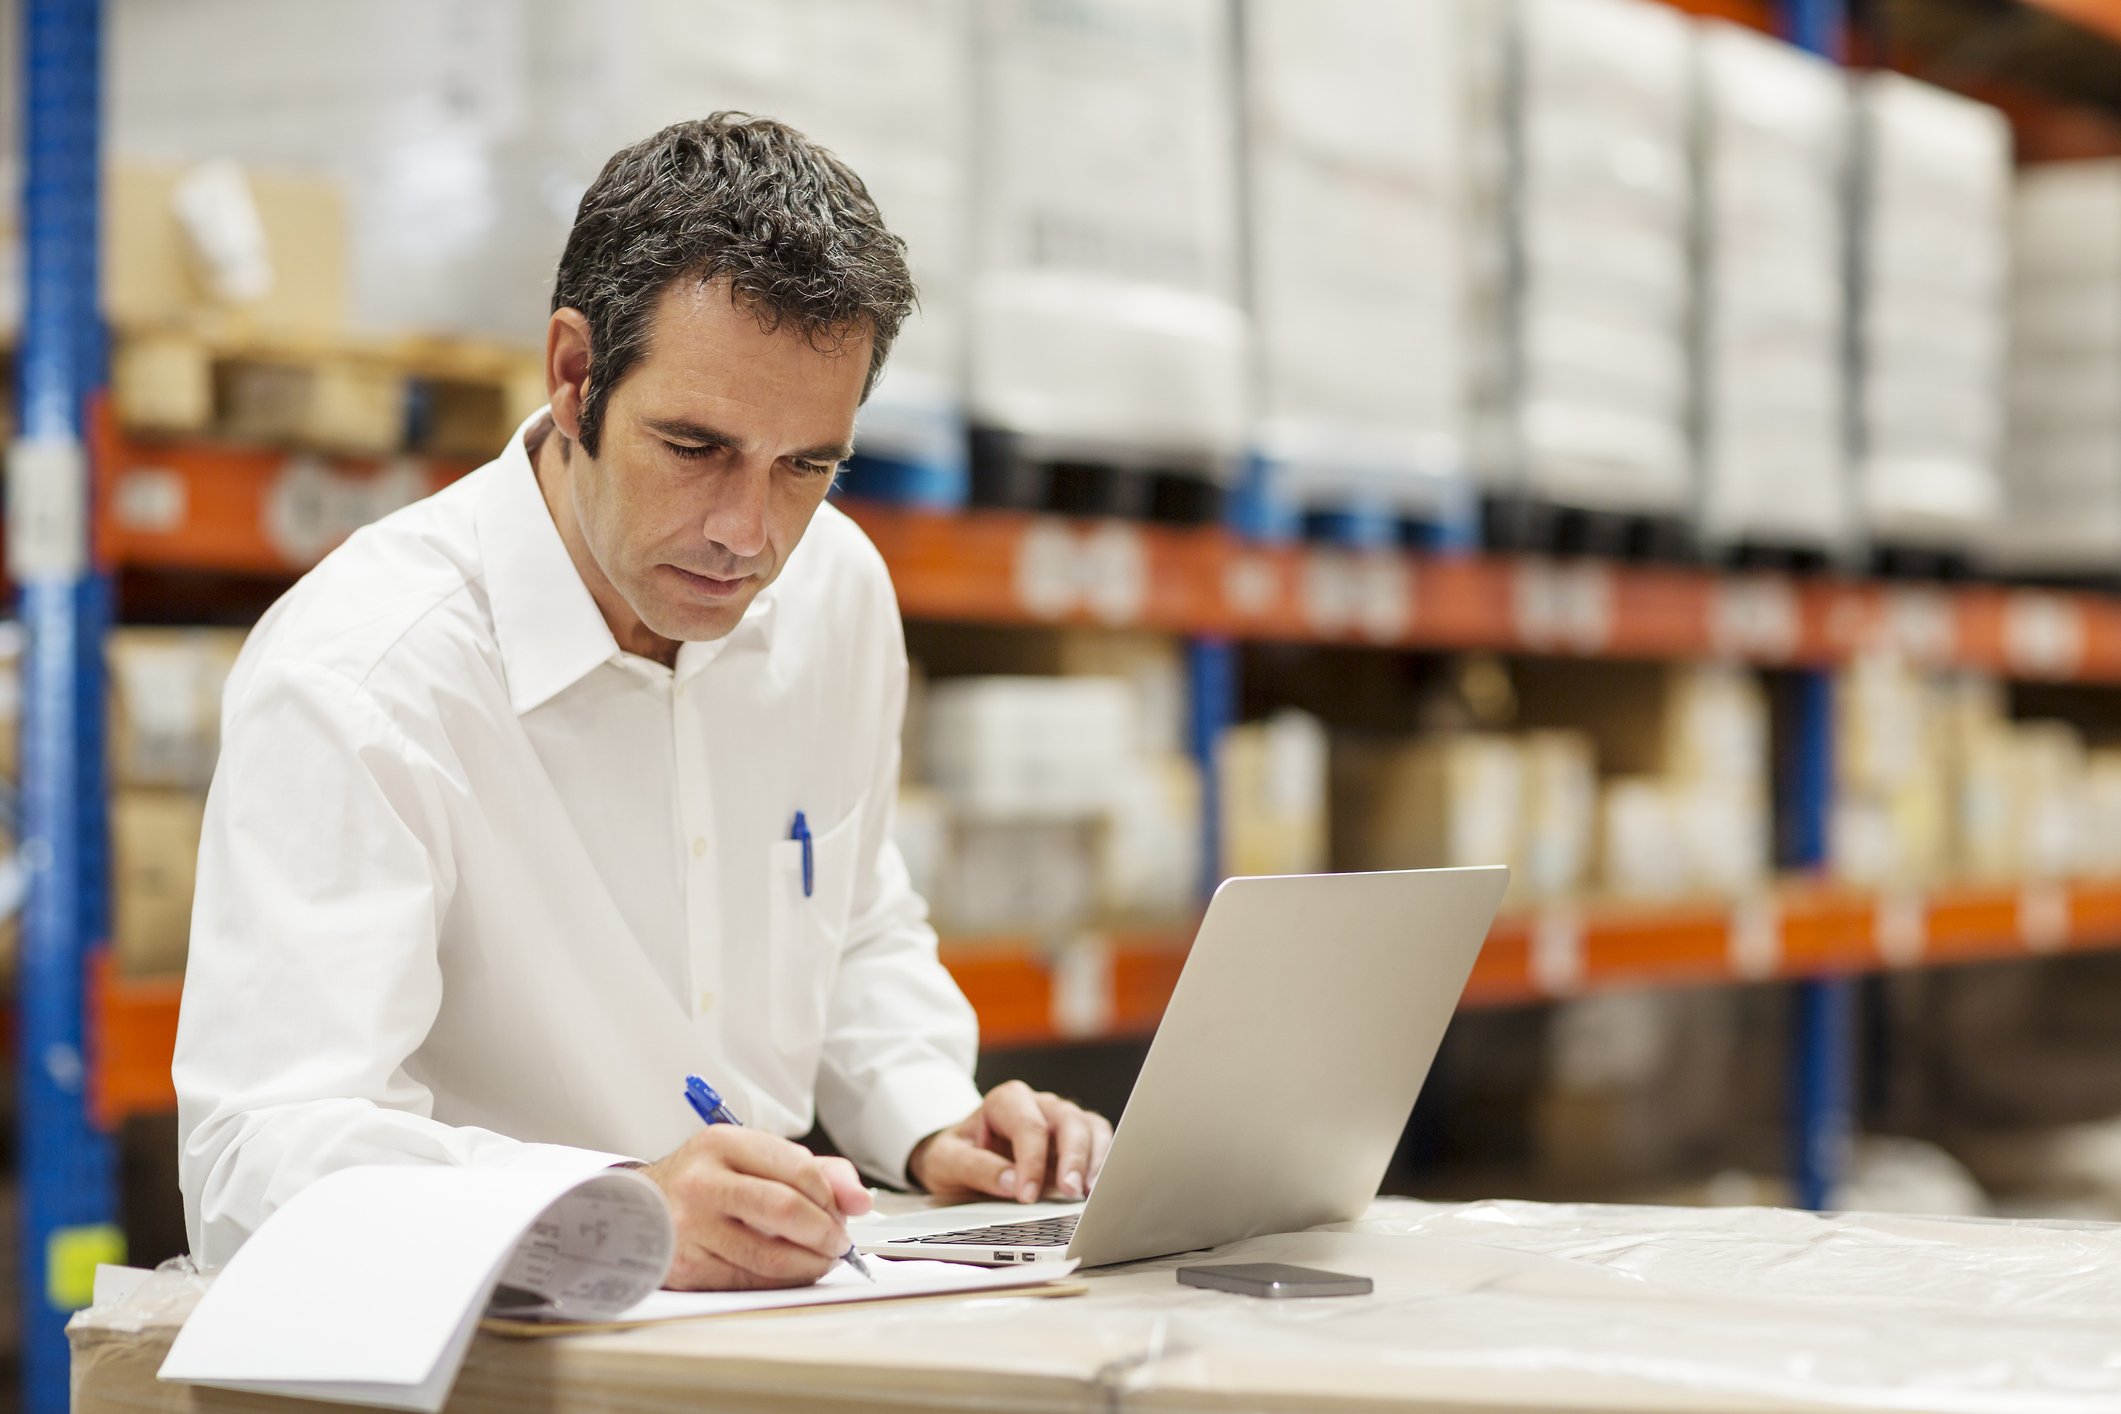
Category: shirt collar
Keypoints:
(549, 629)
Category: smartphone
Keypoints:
(1275, 1280)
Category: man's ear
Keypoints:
(567, 369)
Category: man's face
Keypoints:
(717, 447)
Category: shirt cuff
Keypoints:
(559, 1156)
(907, 1105)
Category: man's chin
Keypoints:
(697, 623)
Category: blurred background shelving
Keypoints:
(1598, 435)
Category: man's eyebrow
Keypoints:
(677, 429)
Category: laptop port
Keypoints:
(1005, 1256)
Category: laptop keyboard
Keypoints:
(1036, 1232)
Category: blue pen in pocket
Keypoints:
(711, 1109)
(800, 832)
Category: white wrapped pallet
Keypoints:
(1354, 150)
(1933, 202)
(1773, 136)
(1104, 314)
(883, 83)
(1586, 397)
(2062, 459)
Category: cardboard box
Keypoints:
(152, 274)
(1684, 720)
(1434, 802)
(1273, 778)
(154, 856)
(165, 712)
(1560, 814)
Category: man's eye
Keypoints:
(817, 468)
(687, 452)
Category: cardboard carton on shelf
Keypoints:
(1434, 802)
(168, 238)
(1272, 777)
(1678, 720)
(1560, 813)
(165, 712)
(154, 855)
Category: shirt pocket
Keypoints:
(806, 936)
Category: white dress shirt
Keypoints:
(477, 887)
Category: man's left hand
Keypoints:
(1018, 1144)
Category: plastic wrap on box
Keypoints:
(1584, 400)
(1931, 221)
(1497, 1304)
(1772, 152)
(2062, 456)
(1356, 189)
(1104, 312)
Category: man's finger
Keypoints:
(954, 1164)
(849, 1194)
(767, 1260)
(775, 1210)
(1070, 1128)
(1013, 1112)
(1100, 1144)
(768, 1156)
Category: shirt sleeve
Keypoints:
(324, 872)
(900, 1037)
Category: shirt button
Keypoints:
(706, 1002)
(699, 846)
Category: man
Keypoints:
(578, 777)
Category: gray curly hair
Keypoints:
(734, 197)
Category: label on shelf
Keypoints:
(150, 499)
(1082, 986)
(47, 509)
(2043, 636)
(1045, 570)
(1563, 606)
(1902, 928)
(1105, 570)
(1921, 625)
(2044, 917)
(1756, 938)
(1755, 617)
(1557, 952)
(1251, 585)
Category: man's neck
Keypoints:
(552, 461)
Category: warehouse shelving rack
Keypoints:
(85, 501)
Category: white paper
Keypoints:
(895, 1280)
(367, 1286)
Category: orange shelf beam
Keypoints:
(1116, 984)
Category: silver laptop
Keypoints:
(1279, 1082)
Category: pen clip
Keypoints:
(801, 832)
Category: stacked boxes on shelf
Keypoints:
(1106, 327)
(165, 737)
(1771, 150)
(1684, 799)
(1271, 782)
(1583, 402)
(1453, 799)
(1055, 801)
(1931, 256)
(1356, 186)
(2062, 464)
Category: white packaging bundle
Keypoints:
(416, 109)
(883, 83)
(1356, 175)
(1104, 314)
(1931, 254)
(1772, 148)
(1587, 393)
(1032, 747)
(2062, 461)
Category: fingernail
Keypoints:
(1027, 1193)
(1008, 1178)
(1074, 1185)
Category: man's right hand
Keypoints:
(754, 1211)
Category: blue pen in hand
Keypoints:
(711, 1110)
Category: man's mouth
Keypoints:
(712, 586)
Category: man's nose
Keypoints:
(736, 518)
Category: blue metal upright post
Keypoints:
(1822, 1041)
(1211, 710)
(69, 1199)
